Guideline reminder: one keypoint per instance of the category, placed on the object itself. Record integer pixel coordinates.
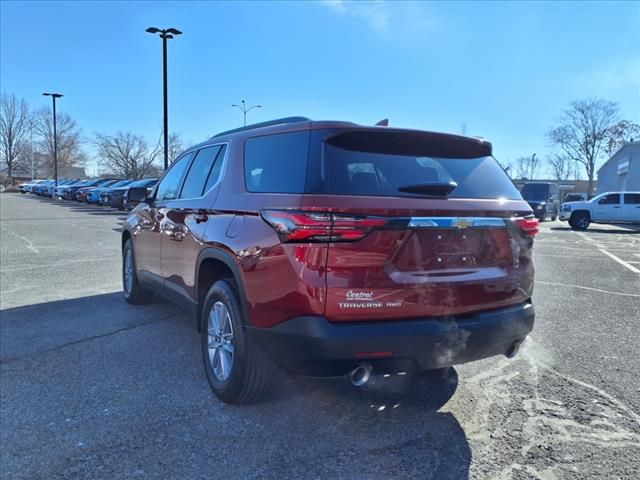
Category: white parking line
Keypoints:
(620, 261)
(609, 254)
(608, 292)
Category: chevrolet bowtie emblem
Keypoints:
(462, 223)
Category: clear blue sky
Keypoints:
(504, 69)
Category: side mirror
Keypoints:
(137, 194)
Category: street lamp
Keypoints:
(55, 135)
(243, 108)
(165, 34)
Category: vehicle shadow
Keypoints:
(629, 230)
(145, 359)
(429, 443)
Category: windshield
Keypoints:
(535, 191)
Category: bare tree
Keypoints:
(176, 146)
(526, 167)
(506, 166)
(620, 133)
(561, 166)
(70, 140)
(583, 132)
(14, 126)
(127, 155)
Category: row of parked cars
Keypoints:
(110, 192)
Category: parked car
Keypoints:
(333, 248)
(114, 197)
(26, 187)
(41, 188)
(544, 199)
(59, 192)
(81, 193)
(93, 196)
(147, 183)
(50, 190)
(68, 192)
(609, 207)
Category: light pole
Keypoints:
(55, 135)
(165, 34)
(533, 164)
(243, 108)
(31, 148)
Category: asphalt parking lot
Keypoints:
(92, 387)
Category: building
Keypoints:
(621, 173)
(22, 172)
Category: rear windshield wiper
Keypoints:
(430, 188)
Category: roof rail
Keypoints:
(279, 121)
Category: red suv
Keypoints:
(334, 248)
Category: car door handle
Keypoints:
(617, 206)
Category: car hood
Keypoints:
(576, 204)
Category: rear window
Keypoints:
(384, 165)
(276, 163)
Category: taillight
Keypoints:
(297, 226)
(528, 226)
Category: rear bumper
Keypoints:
(315, 346)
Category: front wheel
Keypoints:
(580, 220)
(230, 358)
(555, 216)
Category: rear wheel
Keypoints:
(230, 359)
(580, 220)
(134, 293)
(555, 215)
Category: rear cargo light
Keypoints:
(528, 226)
(297, 226)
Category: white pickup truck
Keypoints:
(609, 207)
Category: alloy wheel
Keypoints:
(220, 341)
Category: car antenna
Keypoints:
(383, 123)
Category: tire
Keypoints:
(580, 220)
(245, 378)
(555, 215)
(134, 292)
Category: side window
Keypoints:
(169, 187)
(216, 171)
(611, 199)
(632, 198)
(199, 172)
(276, 163)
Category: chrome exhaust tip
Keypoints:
(360, 375)
(513, 350)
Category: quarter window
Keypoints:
(276, 163)
(199, 171)
(169, 187)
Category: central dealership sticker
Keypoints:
(361, 299)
